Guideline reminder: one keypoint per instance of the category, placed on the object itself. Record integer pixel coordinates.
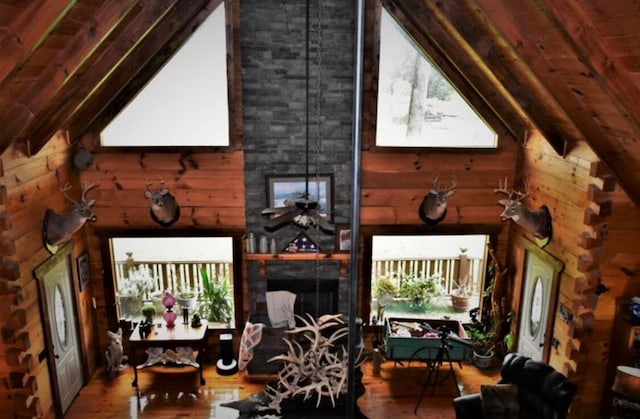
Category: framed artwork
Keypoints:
(292, 187)
(343, 238)
(84, 273)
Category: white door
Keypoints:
(539, 284)
(64, 337)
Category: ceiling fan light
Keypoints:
(303, 220)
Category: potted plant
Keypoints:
(420, 290)
(482, 344)
(384, 291)
(148, 312)
(187, 298)
(462, 293)
(215, 303)
(135, 291)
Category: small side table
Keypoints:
(181, 335)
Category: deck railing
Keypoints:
(448, 269)
(184, 275)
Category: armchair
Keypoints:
(538, 391)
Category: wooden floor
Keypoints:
(172, 394)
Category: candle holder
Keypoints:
(185, 315)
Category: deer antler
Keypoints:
(86, 189)
(453, 185)
(436, 188)
(503, 188)
(434, 181)
(520, 195)
(66, 188)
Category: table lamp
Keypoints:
(627, 385)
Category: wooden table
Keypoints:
(168, 338)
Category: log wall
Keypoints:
(208, 186)
(621, 275)
(29, 187)
(577, 192)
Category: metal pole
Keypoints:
(355, 205)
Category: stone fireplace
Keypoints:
(306, 296)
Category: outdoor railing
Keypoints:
(184, 276)
(397, 269)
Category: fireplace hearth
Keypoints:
(306, 298)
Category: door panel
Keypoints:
(64, 336)
(538, 304)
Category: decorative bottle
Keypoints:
(251, 243)
(169, 316)
(264, 244)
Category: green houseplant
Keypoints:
(148, 312)
(187, 298)
(215, 303)
(483, 341)
(420, 290)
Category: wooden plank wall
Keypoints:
(29, 187)
(577, 192)
(394, 184)
(208, 186)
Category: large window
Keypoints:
(186, 102)
(194, 269)
(421, 276)
(417, 105)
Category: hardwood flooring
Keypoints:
(168, 393)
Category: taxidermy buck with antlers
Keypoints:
(164, 207)
(58, 228)
(434, 205)
(538, 222)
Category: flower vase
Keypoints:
(170, 317)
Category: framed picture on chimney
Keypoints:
(288, 188)
(343, 238)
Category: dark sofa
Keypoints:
(542, 392)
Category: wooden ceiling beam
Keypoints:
(27, 31)
(121, 41)
(580, 34)
(58, 75)
(576, 104)
(460, 68)
(503, 61)
(133, 73)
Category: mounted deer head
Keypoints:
(58, 228)
(164, 208)
(434, 205)
(538, 222)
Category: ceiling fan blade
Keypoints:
(275, 210)
(326, 225)
(281, 220)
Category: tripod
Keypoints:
(434, 368)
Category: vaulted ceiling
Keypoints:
(571, 68)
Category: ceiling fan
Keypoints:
(303, 211)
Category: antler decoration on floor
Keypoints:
(319, 367)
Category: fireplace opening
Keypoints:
(305, 291)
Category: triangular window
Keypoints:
(186, 102)
(417, 105)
